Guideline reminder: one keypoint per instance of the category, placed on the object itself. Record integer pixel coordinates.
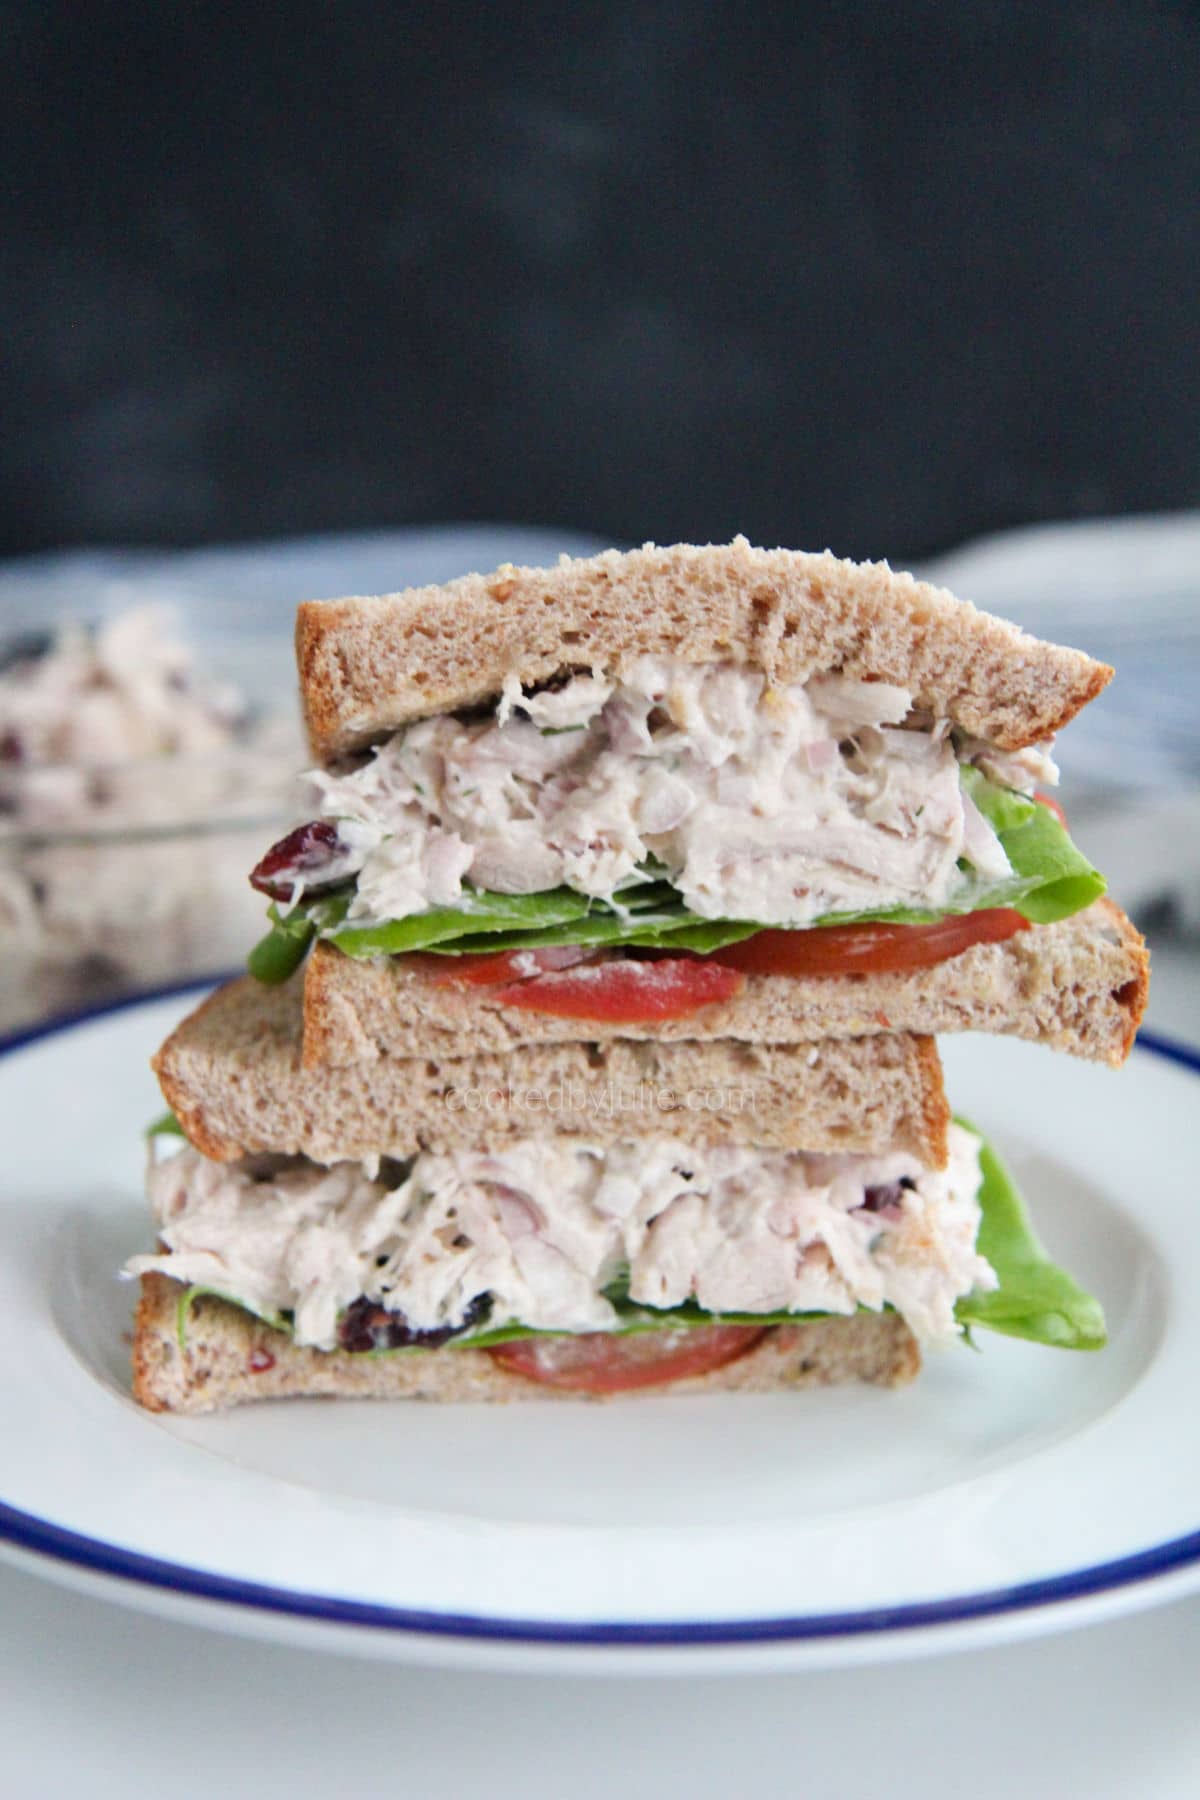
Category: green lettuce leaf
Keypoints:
(166, 1125)
(479, 913)
(1035, 1299)
(656, 931)
(280, 953)
(1051, 879)
(278, 1321)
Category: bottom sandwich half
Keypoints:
(560, 1267)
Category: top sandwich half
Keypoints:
(627, 775)
(371, 664)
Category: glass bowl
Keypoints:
(118, 876)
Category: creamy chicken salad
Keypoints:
(125, 690)
(780, 805)
(547, 1232)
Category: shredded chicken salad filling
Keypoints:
(777, 804)
(129, 688)
(535, 1234)
(116, 726)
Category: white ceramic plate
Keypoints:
(1005, 1493)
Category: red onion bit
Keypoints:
(887, 1200)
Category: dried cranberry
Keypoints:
(261, 1360)
(12, 750)
(366, 1326)
(301, 855)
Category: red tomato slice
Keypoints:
(1052, 806)
(626, 992)
(869, 949)
(603, 1362)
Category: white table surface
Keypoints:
(100, 1700)
(97, 1701)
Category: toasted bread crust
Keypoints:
(936, 1114)
(370, 664)
(1079, 985)
(1131, 998)
(233, 1075)
(230, 1357)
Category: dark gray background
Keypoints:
(874, 275)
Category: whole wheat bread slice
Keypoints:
(370, 664)
(233, 1075)
(1079, 985)
(230, 1357)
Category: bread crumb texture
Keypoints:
(369, 664)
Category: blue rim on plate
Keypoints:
(28, 1533)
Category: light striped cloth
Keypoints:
(1128, 591)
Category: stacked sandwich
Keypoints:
(591, 1046)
